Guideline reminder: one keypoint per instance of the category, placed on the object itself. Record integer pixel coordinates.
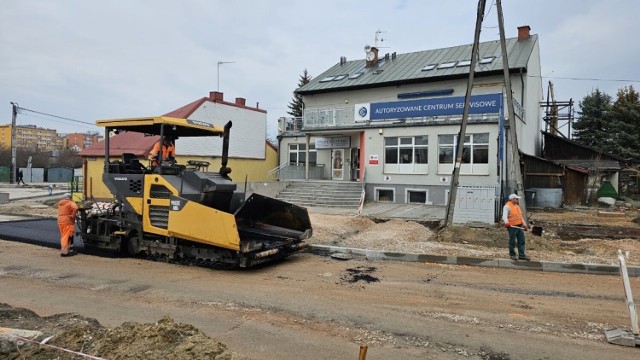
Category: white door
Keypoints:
(337, 161)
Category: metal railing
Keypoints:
(328, 117)
(323, 118)
(273, 174)
(295, 171)
(289, 124)
(363, 195)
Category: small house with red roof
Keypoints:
(251, 156)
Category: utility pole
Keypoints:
(513, 133)
(515, 182)
(465, 116)
(218, 76)
(14, 143)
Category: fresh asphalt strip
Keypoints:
(44, 232)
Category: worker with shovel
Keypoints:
(516, 225)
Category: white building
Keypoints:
(392, 120)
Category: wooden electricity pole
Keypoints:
(516, 181)
(513, 133)
(465, 116)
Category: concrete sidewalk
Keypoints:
(33, 190)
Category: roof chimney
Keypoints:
(524, 32)
(241, 101)
(343, 60)
(216, 96)
(372, 57)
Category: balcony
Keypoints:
(326, 119)
(315, 119)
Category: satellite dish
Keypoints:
(367, 48)
(370, 56)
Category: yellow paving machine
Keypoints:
(184, 213)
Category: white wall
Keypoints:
(529, 137)
(248, 132)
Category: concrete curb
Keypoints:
(53, 195)
(596, 269)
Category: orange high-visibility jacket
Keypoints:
(67, 210)
(515, 214)
(167, 151)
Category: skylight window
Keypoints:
(429, 67)
(355, 75)
(447, 65)
(464, 63)
(487, 60)
(339, 77)
(328, 78)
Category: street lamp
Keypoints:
(220, 63)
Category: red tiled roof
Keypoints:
(125, 142)
(186, 111)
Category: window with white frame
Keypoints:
(406, 155)
(297, 154)
(475, 154)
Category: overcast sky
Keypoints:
(90, 60)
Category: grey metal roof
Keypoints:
(408, 67)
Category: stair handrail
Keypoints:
(275, 170)
(363, 194)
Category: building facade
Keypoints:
(32, 138)
(80, 141)
(393, 121)
(251, 156)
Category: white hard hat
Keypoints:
(514, 196)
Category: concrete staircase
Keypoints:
(324, 193)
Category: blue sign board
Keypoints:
(479, 104)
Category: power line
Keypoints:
(45, 118)
(583, 79)
(55, 116)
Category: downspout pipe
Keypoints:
(224, 170)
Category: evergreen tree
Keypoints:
(625, 114)
(296, 106)
(592, 127)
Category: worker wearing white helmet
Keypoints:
(516, 225)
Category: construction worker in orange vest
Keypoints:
(67, 210)
(168, 151)
(516, 225)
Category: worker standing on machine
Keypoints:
(168, 151)
(67, 210)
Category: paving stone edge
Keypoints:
(597, 269)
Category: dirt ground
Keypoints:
(489, 241)
(166, 338)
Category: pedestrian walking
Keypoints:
(19, 178)
(516, 226)
(67, 210)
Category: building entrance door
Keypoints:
(337, 161)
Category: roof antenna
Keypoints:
(379, 39)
